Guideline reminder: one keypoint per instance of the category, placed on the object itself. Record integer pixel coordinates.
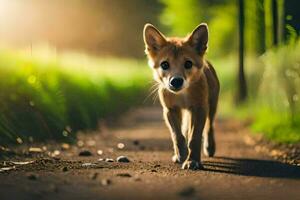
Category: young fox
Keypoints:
(188, 91)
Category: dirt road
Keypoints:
(237, 171)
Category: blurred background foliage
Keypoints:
(181, 17)
(66, 65)
(45, 95)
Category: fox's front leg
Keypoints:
(173, 120)
(196, 126)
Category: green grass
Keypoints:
(277, 103)
(274, 93)
(45, 94)
(277, 127)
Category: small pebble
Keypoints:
(55, 153)
(80, 143)
(85, 153)
(7, 168)
(64, 169)
(35, 150)
(65, 146)
(109, 160)
(99, 152)
(121, 145)
(19, 140)
(101, 159)
(136, 142)
(88, 164)
(21, 163)
(105, 182)
(123, 159)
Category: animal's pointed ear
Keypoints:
(199, 38)
(153, 38)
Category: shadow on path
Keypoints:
(252, 167)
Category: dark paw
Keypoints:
(192, 165)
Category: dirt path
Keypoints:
(237, 171)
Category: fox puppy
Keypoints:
(188, 91)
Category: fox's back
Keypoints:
(212, 80)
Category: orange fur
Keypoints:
(188, 91)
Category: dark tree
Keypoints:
(242, 86)
(261, 30)
(275, 21)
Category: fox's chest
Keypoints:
(182, 100)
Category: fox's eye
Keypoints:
(188, 64)
(164, 65)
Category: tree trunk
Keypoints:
(261, 30)
(242, 86)
(275, 21)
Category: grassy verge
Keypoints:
(48, 95)
(274, 92)
(278, 113)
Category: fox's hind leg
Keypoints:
(209, 144)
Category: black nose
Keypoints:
(176, 82)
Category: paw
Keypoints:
(177, 159)
(209, 150)
(209, 147)
(192, 164)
